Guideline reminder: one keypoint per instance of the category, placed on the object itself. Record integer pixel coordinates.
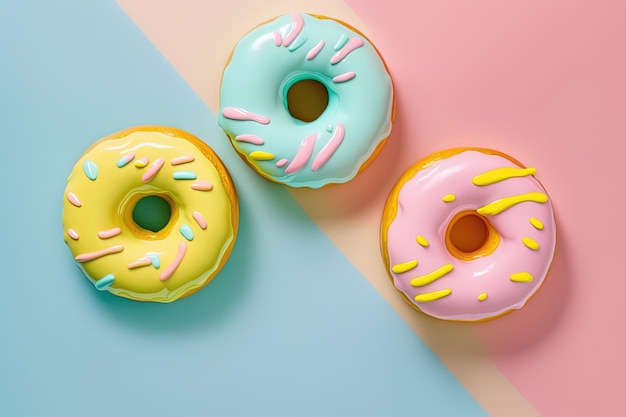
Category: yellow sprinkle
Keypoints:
(536, 223)
(140, 163)
(422, 241)
(530, 243)
(501, 174)
(432, 296)
(433, 276)
(403, 267)
(521, 277)
(448, 198)
(499, 206)
(262, 156)
(482, 296)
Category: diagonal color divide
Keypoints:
(180, 29)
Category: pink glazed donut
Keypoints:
(468, 234)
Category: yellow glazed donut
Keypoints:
(150, 213)
(468, 234)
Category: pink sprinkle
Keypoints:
(90, 256)
(278, 39)
(352, 44)
(250, 138)
(197, 216)
(106, 234)
(237, 113)
(71, 197)
(202, 186)
(327, 151)
(303, 155)
(296, 27)
(72, 233)
(281, 163)
(344, 77)
(153, 170)
(145, 261)
(315, 50)
(182, 249)
(182, 160)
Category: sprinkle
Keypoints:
(153, 170)
(352, 44)
(482, 296)
(237, 113)
(530, 243)
(142, 162)
(421, 240)
(329, 149)
(90, 256)
(90, 169)
(448, 198)
(186, 232)
(105, 282)
(297, 23)
(343, 40)
(156, 261)
(145, 261)
(71, 197)
(72, 233)
(197, 216)
(536, 223)
(298, 43)
(521, 277)
(303, 155)
(278, 39)
(432, 296)
(261, 156)
(184, 175)
(344, 77)
(185, 159)
(315, 50)
(432, 276)
(182, 249)
(499, 206)
(124, 160)
(329, 128)
(106, 234)
(404, 267)
(501, 174)
(250, 138)
(281, 163)
(201, 185)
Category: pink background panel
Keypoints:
(546, 83)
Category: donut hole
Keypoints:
(150, 216)
(306, 100)
(470, 236)
(152, 212)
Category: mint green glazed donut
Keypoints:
(254, 111)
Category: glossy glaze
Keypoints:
(253, 105)
(499, 279)
(119, 256)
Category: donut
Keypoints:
(306, 100)
(150, 214)
(468, 234)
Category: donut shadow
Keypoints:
(370, 187)
(201, 310)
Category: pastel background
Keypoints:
(278, 332)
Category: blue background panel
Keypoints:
(289, 327)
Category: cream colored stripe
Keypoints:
(213, 28)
